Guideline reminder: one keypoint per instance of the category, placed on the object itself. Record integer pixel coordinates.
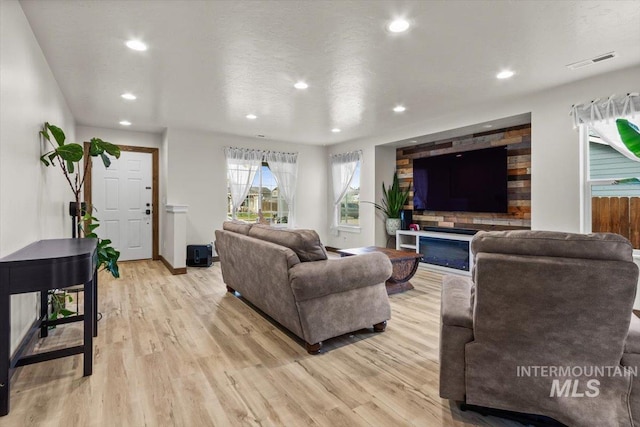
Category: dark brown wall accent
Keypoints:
(518, 142)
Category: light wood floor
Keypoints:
(180, 351)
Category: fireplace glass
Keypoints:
(445, 252)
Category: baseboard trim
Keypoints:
(174, 271)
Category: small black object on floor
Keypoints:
(199, 255)
(526, 419)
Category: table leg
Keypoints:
(5, 343)
(89, 289)
(403, 271)
(95, 303)
(44, 313)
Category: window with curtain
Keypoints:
(346, 193)
(242, 166)
(350, 204)
(284, 168)
(264, 194)
(611, 169)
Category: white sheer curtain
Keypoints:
(343, 167)
(242, 165)
(284, 166)
(601, 117)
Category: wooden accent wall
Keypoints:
(617, 215)
(518, 142)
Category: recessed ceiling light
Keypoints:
(487, 126)
(398, 26)
(136, 45)
(413, 140)
(301, 85)
(335, 130)
(505, 74)
(399, 108)
(129, 96)
(251, 116)
(125, 123)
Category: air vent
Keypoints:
(594, 60)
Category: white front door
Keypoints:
(122, 202)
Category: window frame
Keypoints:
(587, 184)
(280, 198)
(352, 228)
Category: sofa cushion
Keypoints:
(305, 243)
(601, 246)
(318, 279)
(237, 226)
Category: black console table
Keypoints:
(40, 267)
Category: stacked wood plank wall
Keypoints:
(617, 215)
(518, 142)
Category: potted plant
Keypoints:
(67, 157)
(393, 200)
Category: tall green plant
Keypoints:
(393, 198)
(67, 156)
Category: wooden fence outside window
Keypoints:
(617, 215)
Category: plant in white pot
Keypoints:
(393, 200)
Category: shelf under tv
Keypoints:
(467, 231)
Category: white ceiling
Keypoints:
(210, 63)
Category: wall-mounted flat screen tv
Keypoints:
(471, 181)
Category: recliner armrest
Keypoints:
(632, 344)
(456, 302)
(315, 279)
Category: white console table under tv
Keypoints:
(447, 251)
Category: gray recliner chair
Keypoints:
(545, 327)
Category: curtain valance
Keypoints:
(606, 110)
(602, 116)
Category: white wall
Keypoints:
(196, 174)
(119, 136)
(385, 166)
(555, 159)
(32, 197)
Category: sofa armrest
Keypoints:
(632, 344)
(320, 278)
(456, 302)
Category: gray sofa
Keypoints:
(544, 299)
(286, 274)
